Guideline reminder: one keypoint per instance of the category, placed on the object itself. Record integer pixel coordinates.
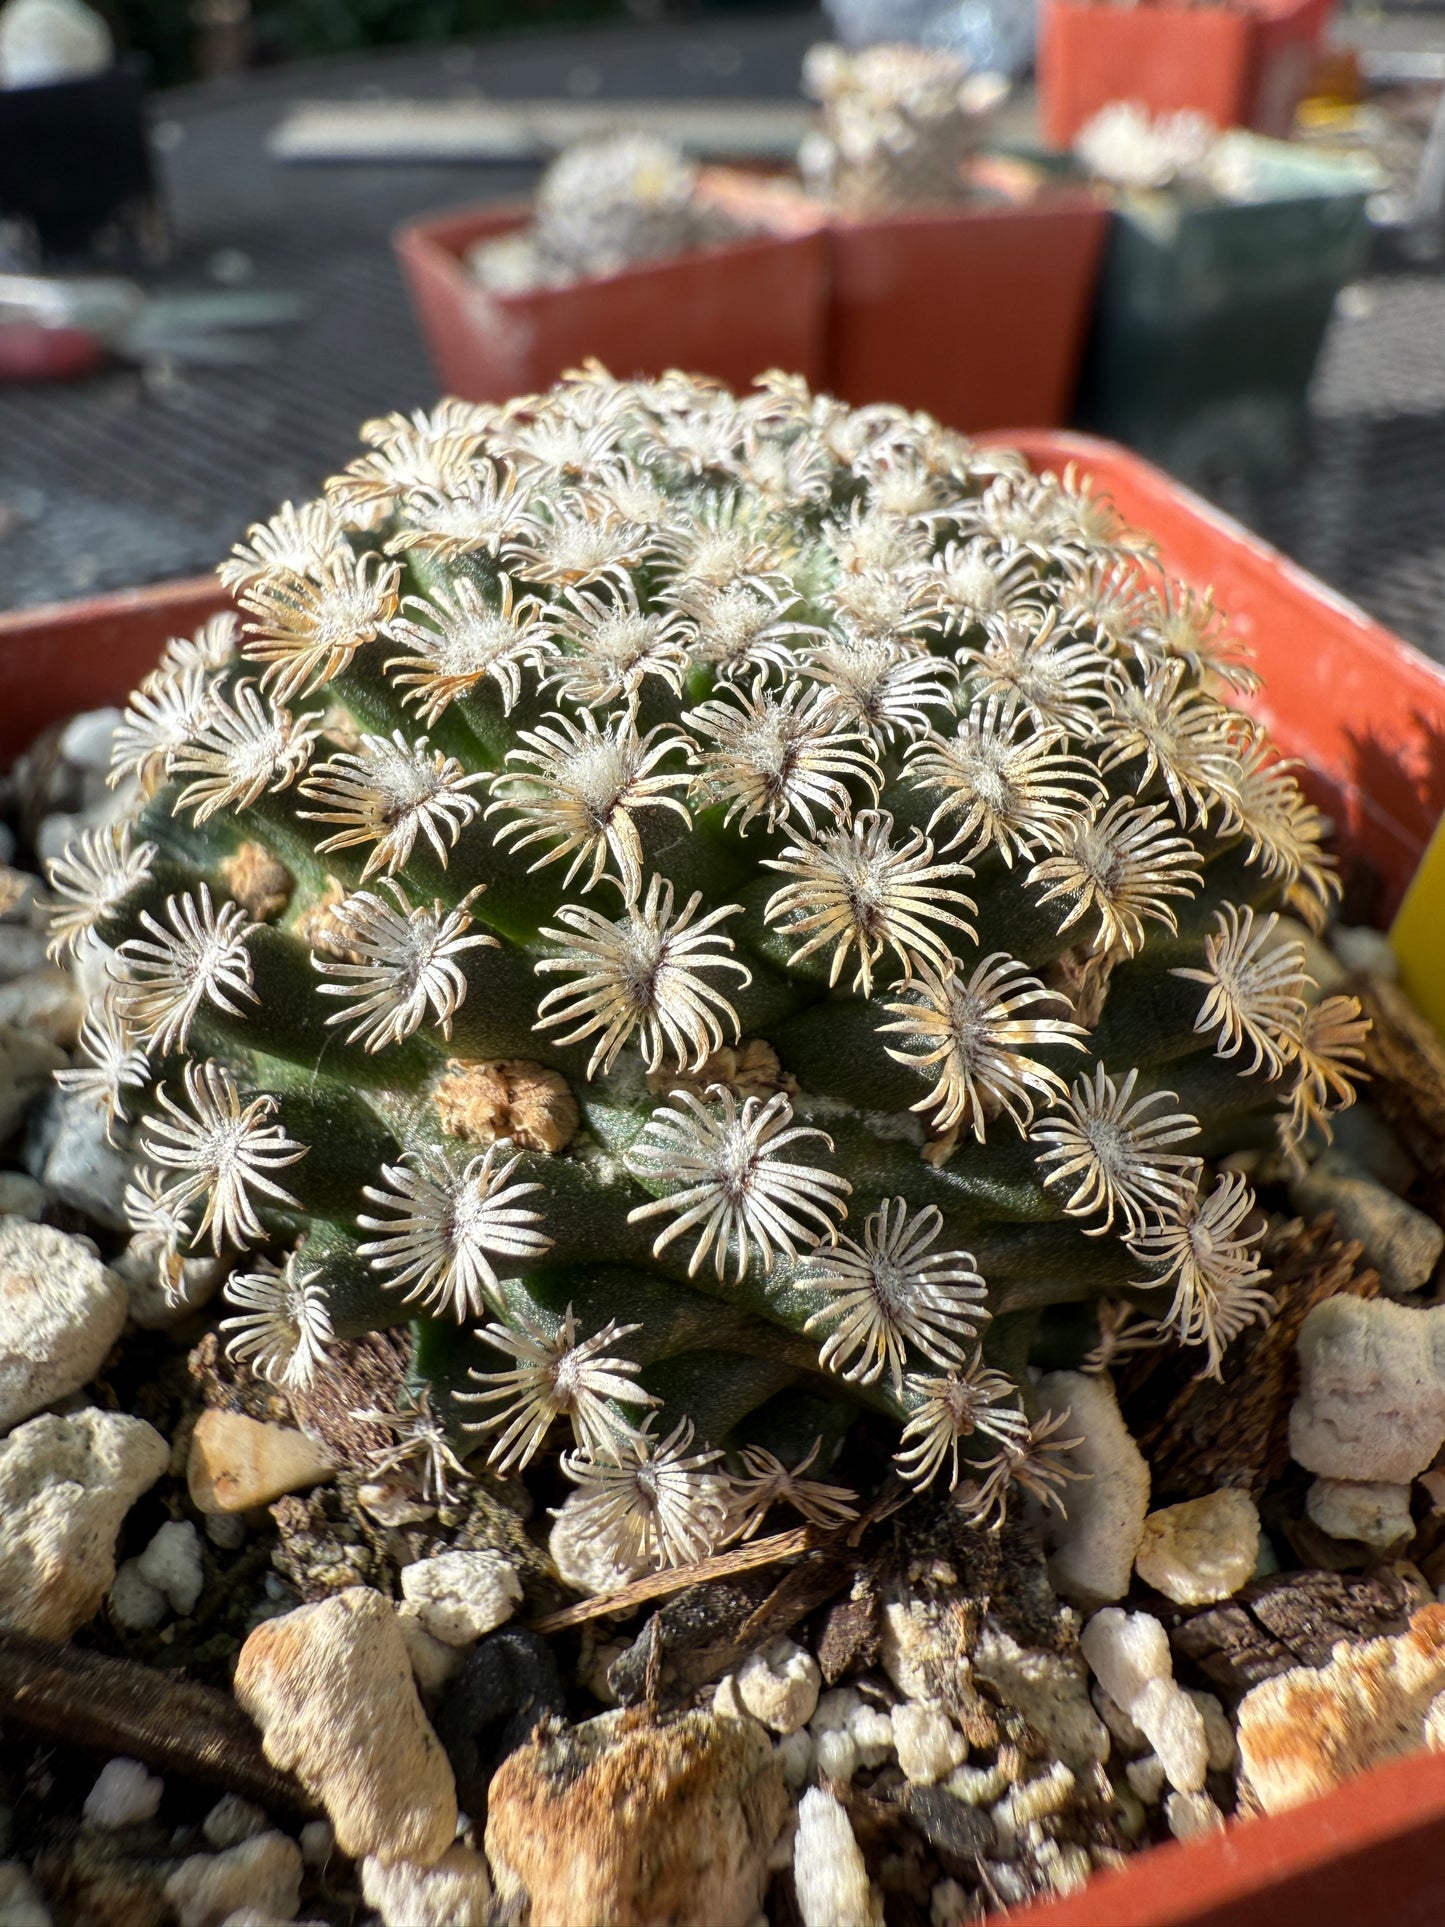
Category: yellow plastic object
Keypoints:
(1418, 933)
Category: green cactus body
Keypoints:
(723, 912)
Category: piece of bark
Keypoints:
(709, 1629)
(118, 1707)
(851, 1639)
(1205, 1434)
(1294, 1619)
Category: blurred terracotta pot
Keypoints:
(976, 314)
(730, 311)
(1246, 64)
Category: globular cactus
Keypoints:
(726, 914)
(899, 124)
(605, 204)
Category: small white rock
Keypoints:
(66, 1148)
(1375, 1513)
(726, 1704)
(780, 1685)
(1125, 1652)
(123, 1796)
(829, 1875)
(1202, 1550)
(232, 1820)
(134, 1602)
(172, 1563)
(455, 1892)
(795, 1750)
(578, 1553)
(835, 1709)
(318, 1842)
(21, 1197)
(432, 1660)
(87, 739)
(1094, 1545)
(929, 1745)
(1371, 1402)
(264, 1872)
(462, 1596)
(226, 1530)
(1146, 1776)
(1188, 1814)
(65, 1486)
(871, 1731)
(61, 1310)
(20, 1902)
(28, 1062)
(837, 1754)
(1218, 1731)
(1358, 947)
(950, 1905)
(1174, 1727)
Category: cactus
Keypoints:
(899, 124)
(729, 915)
(604, 204)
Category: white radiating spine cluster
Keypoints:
(894, 674)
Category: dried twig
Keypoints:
(118, 1706)
(657, 1585)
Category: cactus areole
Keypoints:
(730, 916)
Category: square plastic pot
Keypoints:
(1367, 713)
(730, 311)
(976, 314)
(1246, 64)
(1209, 320)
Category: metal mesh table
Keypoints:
(129, 478)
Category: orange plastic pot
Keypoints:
(976, 314)
(72, 656)
(1367, 713)
(1241, 65)
(729, 311)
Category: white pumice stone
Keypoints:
(1219, 1738)
(20, 1902)
(172, 1562)
(1188, 1814)
(61, 1310)
(929, 1745)
(124, 1795)
(318, 1842)
(134, 1602)
(1125, 1652)
(1376, 1514)
(795, 1750)
(779, 1685)
(829, 1876)
(232, 1820)
(1371, 1402)
(1146, 1777)
(462, 1596)
(263, 1872)
(871, 1731)
(1174, 1727)
(455, 1892)
(837, 1754)
(1095, 1542)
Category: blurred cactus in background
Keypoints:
(899, 124)
(733, 917)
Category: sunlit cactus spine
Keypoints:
(728, 915)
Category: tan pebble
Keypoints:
(1200, 1551)
(331, 1688)
(618, 1820)
(237, 1462)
